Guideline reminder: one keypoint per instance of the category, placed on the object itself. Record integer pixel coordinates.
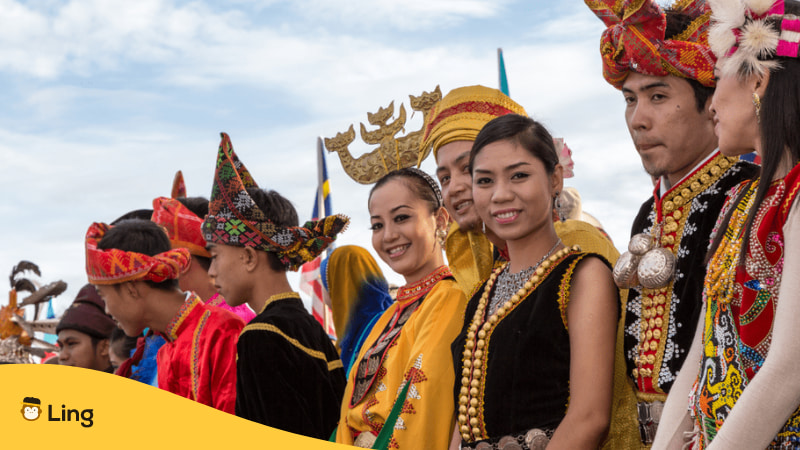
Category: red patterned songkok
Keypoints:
(461, 114)
(635, 41)
(235, 219)
(183, 226)
(114, 266)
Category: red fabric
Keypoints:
(199, 359)
(116, 266)
(635, 40)
(126, 368)
(181, 224)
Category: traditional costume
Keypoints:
(460, 116)
(410, 343)
(199, 359)
(676, 222)
(183, 228)
(744, 285)
(397, 392)
(514, 386)
(289, 374)
(358, 295)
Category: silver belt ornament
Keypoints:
(644, 264)
(649, 417)
(533, 439)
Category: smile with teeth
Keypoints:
(463, 205)
(505, 216)
(397, 251)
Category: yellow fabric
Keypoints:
(591, 240)
(456, 118)
(424, 342)
(469, 255)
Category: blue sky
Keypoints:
(106, 99)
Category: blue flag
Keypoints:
(502, 72)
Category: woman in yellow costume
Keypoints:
(399, 388)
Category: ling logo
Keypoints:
(31, 408)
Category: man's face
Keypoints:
(77, 350)
(670, 134)
(228, 270)
(453, 173)
(125, 308)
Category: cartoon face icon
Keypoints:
(31, 408)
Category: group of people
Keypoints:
(517, 327)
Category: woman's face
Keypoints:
(735, 122)
(404, 230)
(512, 190)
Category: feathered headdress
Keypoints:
(747, 35)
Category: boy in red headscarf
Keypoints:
(136, 272)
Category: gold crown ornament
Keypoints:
(392, 152)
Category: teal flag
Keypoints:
(502, 70)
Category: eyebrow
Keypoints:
(390, 211)
(647, 87)
(505, 169)
(459, 159)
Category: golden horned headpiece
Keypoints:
(393, 153)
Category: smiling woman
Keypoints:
(410, 343)
(536, 350)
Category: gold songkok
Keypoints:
(461, 114)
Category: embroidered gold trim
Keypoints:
(310, 352)
(277, 297)
(563, 294)
(656, 303)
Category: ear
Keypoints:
(132, 289)
(760, 83)
(249, 257)
(103, 348)
(442, 219)
(557, 179)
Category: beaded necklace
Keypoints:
(475, 345)
(508, 283)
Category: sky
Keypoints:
(105, 100)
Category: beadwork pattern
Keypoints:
(740, 307)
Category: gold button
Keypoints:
(462, 418)
(653, 346)
(677, 215)
(651, 359)
(477, 373)
(715, 170)
(473, 392)
(697, 187)
(653, 322)
(659, 322)
(678, 200)
(635, 373)
(473, 402)
(660, 310)
(686, 193)
(462, 409)
(479, 354)
(657, 334)
(472, 412)
(482, 334)
(476, 431)
(478, 364)
(481, 343)
(649, 335)
(669, 206)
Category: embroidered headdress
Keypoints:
(182, 225)
(115, 266)
(635, 40)
(461, 114)
(235, 219)
(747, 35)
(178, 186)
